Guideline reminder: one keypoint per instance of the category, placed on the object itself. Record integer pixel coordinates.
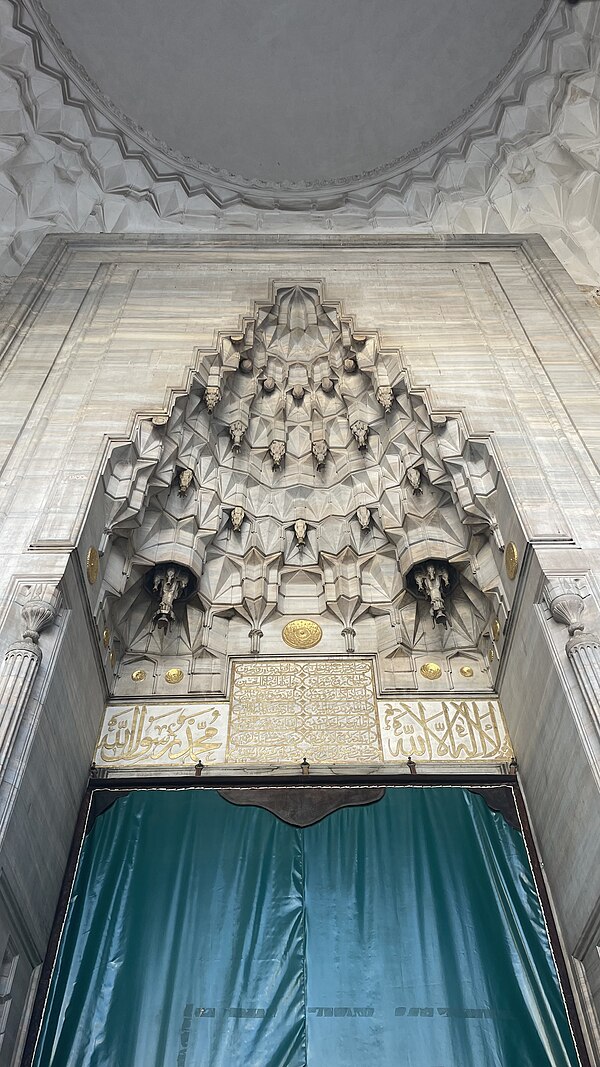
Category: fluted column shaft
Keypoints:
(583, 651)
(21, 663)
(17, 675)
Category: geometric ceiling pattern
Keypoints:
(528, 162)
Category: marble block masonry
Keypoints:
(249, 482)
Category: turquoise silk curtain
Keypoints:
(407, 933)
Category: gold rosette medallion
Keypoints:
(302, 633)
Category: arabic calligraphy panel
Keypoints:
(162, 735)
(286, 710)
(444, 730)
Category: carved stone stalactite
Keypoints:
(300, 531)
(236, 517)
(432, 581)
(277, 452)
(361, 434)
(385, 397)
(566, 603)
(236, 432)
(349, 633)
(343, 478)
(414, 477)
(255, 635)
(169, 583)
(319, 450)
(364, 517)
(21, 663)
(185, 478)
(212, 395)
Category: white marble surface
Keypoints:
(100, 334)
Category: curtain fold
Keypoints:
(202, 934)
(184, 931)
(426, 944)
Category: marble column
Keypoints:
(566, 602)
(583, 651)
(21, 662)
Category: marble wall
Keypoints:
(100, 333)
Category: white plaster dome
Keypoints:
(290, 93)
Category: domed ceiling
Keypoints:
(281, 92)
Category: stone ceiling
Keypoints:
(525, 159)
(295, 90)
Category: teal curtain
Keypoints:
(202, 934)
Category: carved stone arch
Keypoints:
(300, 418)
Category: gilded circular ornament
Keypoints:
(174, 676)
(511, 560)
(112, 658)
(106, 638)
(496, 629)
(302, 633)
(467, 672)
(138, 676)
(92, 563)
(431, 671)
(491, 655)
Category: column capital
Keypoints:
(40, 604)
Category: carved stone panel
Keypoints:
(162, 735)
(457, 730)
(286, 710)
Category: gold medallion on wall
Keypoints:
(431, 671)
(92, 564)
(174, 676)
(302, 633)
(511, 560)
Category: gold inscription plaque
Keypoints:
(431, 671)
(162, 735)
(444, 730)
(511, 560)
(302, 633)
(283, 711)
(92, 563)
(174, 676)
